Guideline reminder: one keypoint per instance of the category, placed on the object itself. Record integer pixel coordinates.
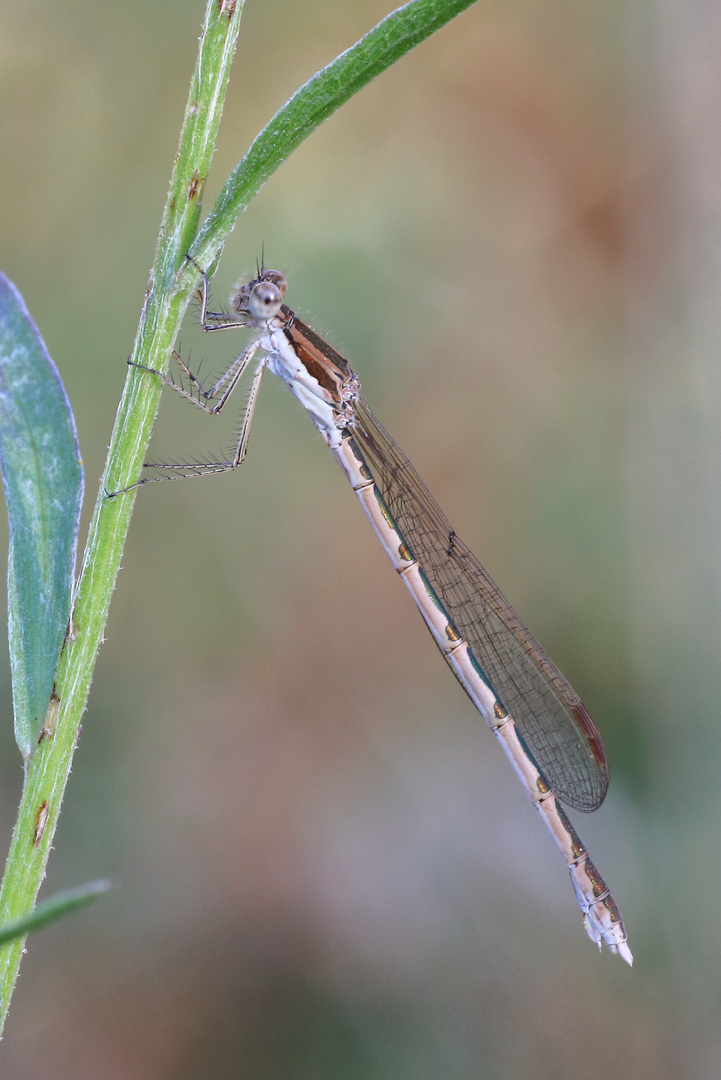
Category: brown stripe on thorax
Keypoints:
(330, 370)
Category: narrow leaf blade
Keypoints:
(55, 907)
(43, 480)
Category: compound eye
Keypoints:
(265, 300)
(276, 278)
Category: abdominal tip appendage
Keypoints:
(625, 952)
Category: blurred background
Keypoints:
(325, 867)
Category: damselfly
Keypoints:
(541, 723)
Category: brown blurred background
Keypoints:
(325, 867)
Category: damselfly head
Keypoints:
(261, 298)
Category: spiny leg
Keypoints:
(244, 434)
(207, 468)
(224, 386)
(214, 320)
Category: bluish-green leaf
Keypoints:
(43, 478)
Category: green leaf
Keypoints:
(55, 907)
(43, 479)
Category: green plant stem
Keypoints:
(170, 288)
(166, 299)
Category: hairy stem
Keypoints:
(165, 302)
